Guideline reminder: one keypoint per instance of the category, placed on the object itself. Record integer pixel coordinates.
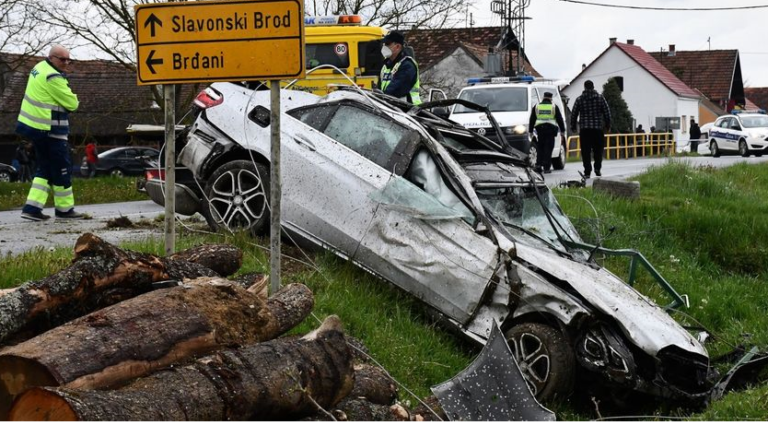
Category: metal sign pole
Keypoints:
(275, 188)
(169, 93)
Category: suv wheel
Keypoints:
(532, 154)
(559, 162)
(5, 176)
(713, 148)
(237, 196)
(743, 150)
(545, 357)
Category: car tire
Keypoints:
(532, 154)
(116, 172)
(714, 149)
(236, 197)
(559, 162)
(743, 149)
(545, 357)
(5, 176)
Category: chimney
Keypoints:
(611, 40)
(583, 66)
(631, 42)
(671, 50)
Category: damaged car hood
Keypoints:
(609, 294)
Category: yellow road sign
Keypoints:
(205, 41)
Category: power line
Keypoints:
(681, 9)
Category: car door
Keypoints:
(422, 239)
(338, 155)
(736, 132)
(719, 132)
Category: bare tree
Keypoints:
(403, 14)
(19, 33)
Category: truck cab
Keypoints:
(510, 100)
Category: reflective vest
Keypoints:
(388, 74)
(48, 101)
(545, 114)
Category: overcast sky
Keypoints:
(562, 36)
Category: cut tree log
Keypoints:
(149, 332)
(101, 275)
(280, 379)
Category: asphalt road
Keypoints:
(18, 235)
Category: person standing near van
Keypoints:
(695, 136)
(546, 119)
(44, 120)
(400, 73)
(595, 120)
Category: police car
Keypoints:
(510, 100)
(745, 133)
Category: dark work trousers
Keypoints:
(545, 136)
(592, 144)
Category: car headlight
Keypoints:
(518, 129)
(756, 135)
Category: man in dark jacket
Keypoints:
(546, 119)
(695, 136)
(400, 73)
(595, 120)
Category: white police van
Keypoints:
(510, 100)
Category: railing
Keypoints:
(630, 145)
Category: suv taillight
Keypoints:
(154, 173)
(208, 98)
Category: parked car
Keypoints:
(453, 218)
(745, 134)
(8, 173)
(122, 161)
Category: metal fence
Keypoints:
(630, 145)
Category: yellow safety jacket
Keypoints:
(48, 101)
(388, 74)
(545, 114)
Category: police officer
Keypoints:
(400, 73)
(44, 120)
(546, 119)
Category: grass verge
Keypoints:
(100, 190)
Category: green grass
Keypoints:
(704, 229)
(100, 190)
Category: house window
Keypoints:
(684, 125)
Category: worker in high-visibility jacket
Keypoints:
(400, 72)
(44, 120)
(546, 119)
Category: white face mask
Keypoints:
(386, 51)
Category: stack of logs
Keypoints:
(122, 335)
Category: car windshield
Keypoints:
(519, 210)
(755, 122)
(505, 99)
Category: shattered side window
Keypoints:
(315, 116)
(370, 135)
(404, 196)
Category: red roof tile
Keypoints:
(657, 70)
(710, 71)
(433, 45)
(758, 95)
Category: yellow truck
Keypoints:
(343, 42)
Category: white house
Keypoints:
(650, 90)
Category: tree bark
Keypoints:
(374, 385)
(101, 275)
(275, 380)
(146, 333)
(224, 259)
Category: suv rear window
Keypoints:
(336, 54)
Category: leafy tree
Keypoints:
(621, 117)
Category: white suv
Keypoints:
(743, 133)
(510, 103)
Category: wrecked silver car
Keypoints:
(449, 216)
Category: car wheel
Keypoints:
(237, 194)
(559, 162)
(714, 149)
(545, 357)
(5, 176)
(116, 172)
(743, 150)
(532, 154)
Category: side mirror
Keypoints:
(441, 112)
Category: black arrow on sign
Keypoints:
(152, 20)
(151, 62)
